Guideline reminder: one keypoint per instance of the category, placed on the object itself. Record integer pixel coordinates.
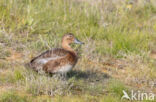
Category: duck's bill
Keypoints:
(78, 42)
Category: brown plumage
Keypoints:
(57, 60)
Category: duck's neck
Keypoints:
(67, 47)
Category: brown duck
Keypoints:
(57, 60)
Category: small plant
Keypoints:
(42, 85)
(18, 75)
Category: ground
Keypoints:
(119, 51)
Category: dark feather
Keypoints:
(56, 52)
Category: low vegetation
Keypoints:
(119, 52)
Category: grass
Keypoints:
(118, 53)
(116, 88)
(13, 97)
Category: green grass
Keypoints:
(26, 19)
(13, 97)
(115, 56)
(116, 87)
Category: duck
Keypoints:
(57, 60)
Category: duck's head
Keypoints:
(69, 39)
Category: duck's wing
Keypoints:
(48, 55)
